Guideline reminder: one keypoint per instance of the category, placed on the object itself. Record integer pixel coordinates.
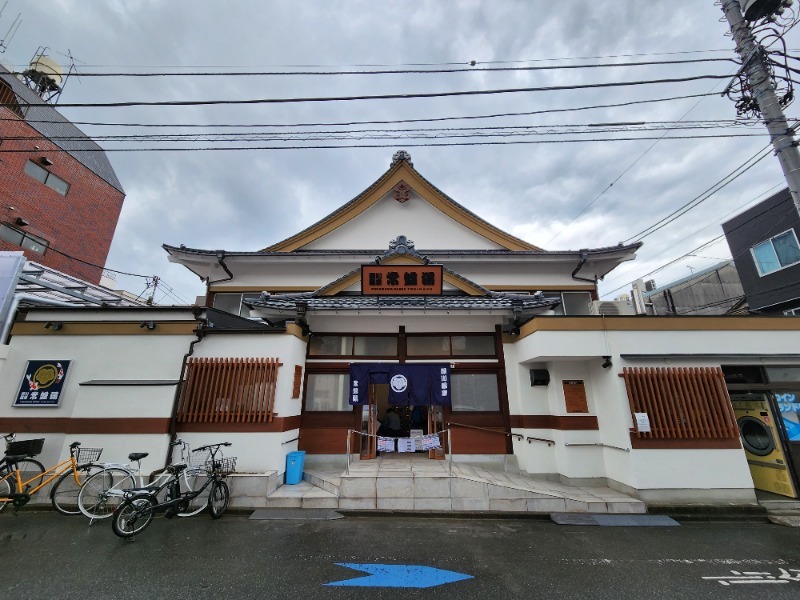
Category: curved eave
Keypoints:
(401, 171)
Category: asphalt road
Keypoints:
(45, 555)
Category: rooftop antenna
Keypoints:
(11, 30)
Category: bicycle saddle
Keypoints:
(138, 455)
(14, 458)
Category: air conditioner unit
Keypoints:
(600, 307)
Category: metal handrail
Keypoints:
(537, 439)
(599, 444)
(505, 433)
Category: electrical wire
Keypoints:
(440, 71)
(321, 99)
(384, 122)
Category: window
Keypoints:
(455, 345)
(475, 392)
(348, 345)
(232, 303)
(46, 177)
(776, 253)
(327, 392)
(22, 238)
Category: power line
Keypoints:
(440, 71)
(552, 88)
(392, 145)
(383, 122)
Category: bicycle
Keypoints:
(104, 491)
(27, 448)
(140, 506)
(68, 475)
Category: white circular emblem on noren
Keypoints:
(399, 383)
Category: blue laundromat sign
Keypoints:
(43, 383)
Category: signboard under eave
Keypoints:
(409, 280)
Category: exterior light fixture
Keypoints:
(55, 325)
(45, 161)
(149, 324)
(606, 362)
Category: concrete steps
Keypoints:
(424, 485)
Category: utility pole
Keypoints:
(758, 77)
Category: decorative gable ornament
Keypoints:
(402, 193)
(401, 155)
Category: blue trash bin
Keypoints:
(294, 467)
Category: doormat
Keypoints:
(613, 520)
(299, 514)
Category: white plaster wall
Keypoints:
(256, 452)
(691, 469)
(414, 322)
(417, 219)
(289, 349)
(98, 357)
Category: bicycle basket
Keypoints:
(197, 461)
(85, 455)
(26, 447)
(224, 466)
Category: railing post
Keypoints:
(349, 434)
(450, 448)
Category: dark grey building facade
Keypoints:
(763, 241)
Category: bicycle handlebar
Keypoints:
(210, 446)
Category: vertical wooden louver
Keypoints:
(681, 403)
(228, 390)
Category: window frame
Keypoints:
(48, 175)
(760, 271)
(26, 236)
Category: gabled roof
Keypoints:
(401, 171)
(45, 119)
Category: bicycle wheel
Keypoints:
(101, 493)
(199, 502)
(218, 499)
(6, 487)
(64, 494)
(133, 516)
(29, 468)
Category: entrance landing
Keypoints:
(416, 483)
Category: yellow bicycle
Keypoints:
(17, 484)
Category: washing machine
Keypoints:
(762, 444)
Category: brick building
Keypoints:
(60, 199)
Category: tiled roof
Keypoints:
(45, 119)
(495, 301)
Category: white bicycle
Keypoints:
(105, 490)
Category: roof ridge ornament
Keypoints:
(403, 246)
(401, 155)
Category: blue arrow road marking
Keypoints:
(405, 576)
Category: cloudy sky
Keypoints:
(538, 176)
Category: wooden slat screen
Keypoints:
(228, 390)
(682, 403)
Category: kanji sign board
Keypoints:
(401, 280)
(43, 383)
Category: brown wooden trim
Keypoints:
(681, 403)
(104, 328)
(228, 390)
(560, 422)
(87, 426)
(684, 444)
(660, 323)
(277, 425)
(298, 381)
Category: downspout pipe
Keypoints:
(221, 263)
(584, 258)
(200, 332)
(8, 321)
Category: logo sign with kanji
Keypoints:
(401, 280)
(43, 383)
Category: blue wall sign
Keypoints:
(43, 383)
(404, 576)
